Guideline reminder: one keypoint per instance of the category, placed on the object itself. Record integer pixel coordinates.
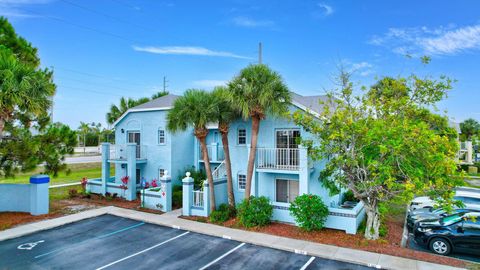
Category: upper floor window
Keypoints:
(242, 136)
(242, 181)
(161, 136)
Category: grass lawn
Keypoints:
(89, 170)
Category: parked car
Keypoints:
(467, 196)
(454, 233)
(423, 214)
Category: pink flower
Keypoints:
(125, 180)
(154, 183)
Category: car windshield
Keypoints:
(449, 220)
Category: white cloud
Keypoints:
(185, 50)
(13, 8)
(209, 83)
(362, 68)
(326, 9)
(252, 23)
(448, 40)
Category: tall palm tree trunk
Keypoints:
(228, 165)
(251, 157)
(208, 169)
(2, 126)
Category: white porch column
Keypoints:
(187, 195)
(131, 192)
(304, 170)
(105, 166)
(469, 146)
(206, 199)
(196, 153)
(214, 154)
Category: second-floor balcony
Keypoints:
(278, 158)
(215, 153)
(120, 152)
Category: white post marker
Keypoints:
(142, 251)
(221, 257)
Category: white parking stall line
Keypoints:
(308, 263)
(223, 256)
(142, 251)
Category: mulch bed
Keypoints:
(388, 245)
(77, 204)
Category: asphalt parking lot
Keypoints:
(110, 242)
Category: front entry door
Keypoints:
(134, 137)
(287, 148)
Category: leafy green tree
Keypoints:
(198, 108)
(469, 128)
(83, 130)
(226, 114)
(20, 47)
(26, 93)
(127, 103)
(384, 144)
(57, 141)
(97, 130)
(257, 92)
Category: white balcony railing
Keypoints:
(215, 152)
(119, 152)
(220, 172)
(197, 198)
(278, 158)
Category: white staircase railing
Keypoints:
(220, 171)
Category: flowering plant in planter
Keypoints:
(124, 185)
(84, 182)
(154, 183)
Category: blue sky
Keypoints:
(102, 50)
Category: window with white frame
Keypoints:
(161, 136)
(286, 190)
(242, 136)
(242, 181)
(161, 173)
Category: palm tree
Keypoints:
(160, 94)
(25, 91)
(197, 108)
(225, 115)
(469, 128)
(125, 104)
(84, 129)
(97, 129)
(256, 92)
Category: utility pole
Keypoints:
(165, 83)
(260, 52)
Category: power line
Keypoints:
(88, 90)
(100, 76)
(106, 15)
(99, 85)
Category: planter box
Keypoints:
(154, 198)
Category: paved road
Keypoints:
(83, 159)
(110, 242)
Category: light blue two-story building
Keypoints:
(283, 170)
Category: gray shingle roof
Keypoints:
(161, 102)
(310, 102)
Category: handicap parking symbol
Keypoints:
(30, 246)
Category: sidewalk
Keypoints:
(298, 246)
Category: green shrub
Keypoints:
(177, 198)
(224, 213)
(177, 188)
(349, 196)
(198, 176)
(255, 212)
(309, 212)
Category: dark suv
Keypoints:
(458, 232)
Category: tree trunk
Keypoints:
(208, 169)
(2, 126)
(228, 166)
(251, 157)
(373, 220)
(84, 150)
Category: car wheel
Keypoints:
(440, 246)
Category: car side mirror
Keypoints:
(460, 228)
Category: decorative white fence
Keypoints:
(197, 198)
(278, 158)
